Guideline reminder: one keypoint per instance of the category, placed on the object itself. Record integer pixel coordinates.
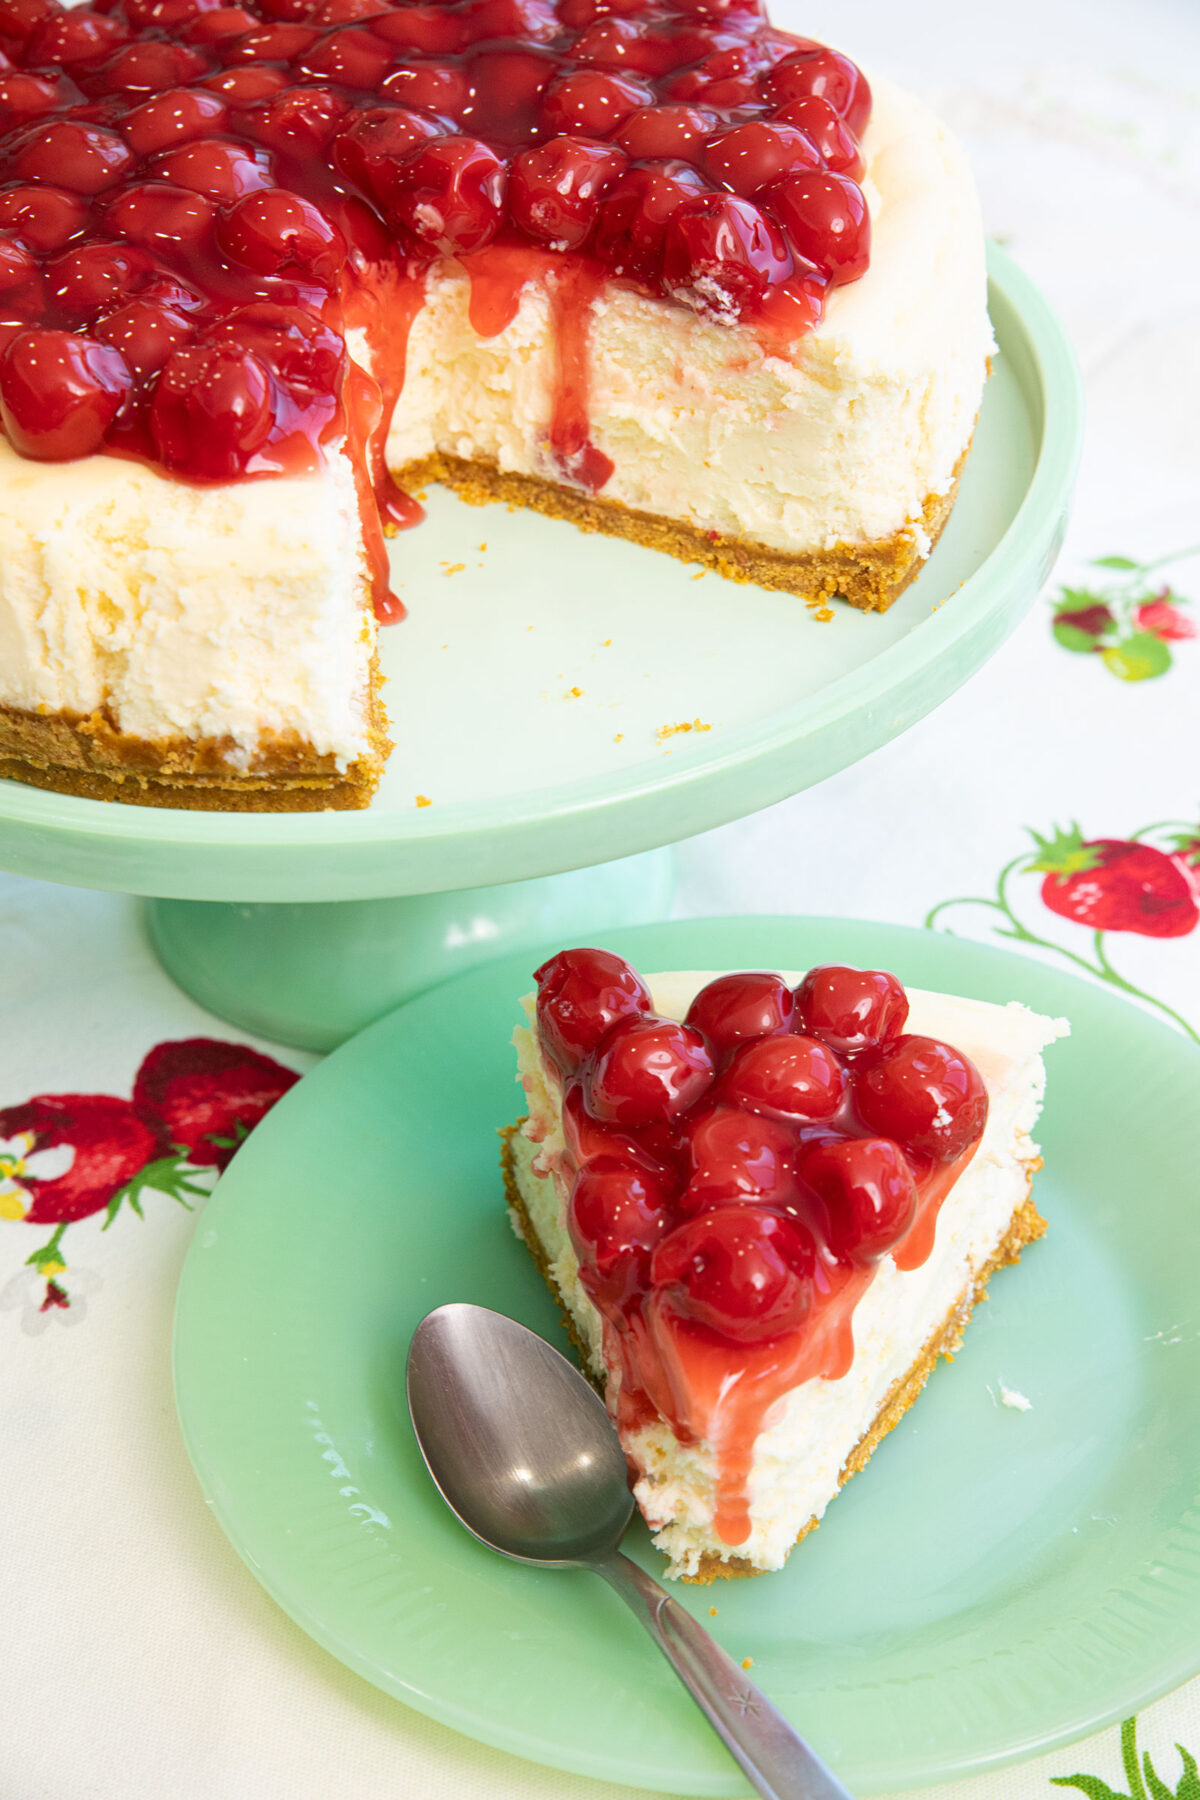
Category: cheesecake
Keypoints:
(653, 266)
(767, 1205)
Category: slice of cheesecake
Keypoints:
(767, 1204)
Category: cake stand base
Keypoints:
(314, 974)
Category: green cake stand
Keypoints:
(572, 704)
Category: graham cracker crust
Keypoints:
(1025, 1227)
(869, 576)
(88, 756)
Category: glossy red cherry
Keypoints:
(451, 195)
(25, 97)
(581, 995)
(554, 190)
(20, 18)
(279, 42)
(300, 121)
(17, 265)
(93, 276)
(173, 118)
(821, 71)
(736, 1157)
(616, 1216)
(586, 1139)
(441, 88)
(431, 30)
(59, 394)
(827, 131)
(625, 46)
(246, 85)
(722, 253)
(734, 1008)
(276, 232)
(743, 1271)
(825, 217)
(748, 157)
(302, 352)
(45, 218)
(591, 103)
(213, 408)
(221, 26)
(793, 1077)
(530, 21)
(83, 158)
(145, 332)
(727, 78)
(656, 133)
(928, 1096)
(634, 217)
(79, 35)
(354, 58)
(848, 1009)
(869, 1192)
(345, 12)
(149, 68)
(159, 215)
(222, 171)
(372, 145)
(647, 1070)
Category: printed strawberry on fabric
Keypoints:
(1146, 885)
(1129, 621)
(64, 1157)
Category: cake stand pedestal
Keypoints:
(568, 704)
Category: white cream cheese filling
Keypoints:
(811, 1431)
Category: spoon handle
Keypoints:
(777, 1761)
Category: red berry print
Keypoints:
(64, 1156)
(1109, 884)
(205, 1096)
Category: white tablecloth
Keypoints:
(138, 1658)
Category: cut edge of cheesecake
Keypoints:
(1025, 1227)
(868, 576)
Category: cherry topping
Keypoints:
(159, 215)
(73, 37)
(822, 72)
(735, 1008)
(451, 195)
(223, 171)
(581, 994)
(85, 280)
(275, 231)
(145, 332)
(433, 30)
(851, 1008)
(46, 217)
(16, 264)
(792, 1077)
(929, 1097)
(59, 393)
(506, 90)
(300, 121)
(828, 133)
(554, 190)
(747, 157)
(24, 97)
(172, 118)
(721, 254)
(826, 219)
(743, 1271)
(141, 69)
(371, 147)
(591, 103)
(662, 132)
(442, 88)
(83, 158)
(646, 1071)
(213, 408)
(306, 356)
(738, 1157)
(635, 215)
(354, 58)
(616, 1216)
(869, 1191)
(19, 18)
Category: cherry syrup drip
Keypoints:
(197, 202)
(735, 1179)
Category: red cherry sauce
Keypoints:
(318, 157)
(724, 1273)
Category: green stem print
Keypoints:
(1131, 621)
(1144, 1781)
(1107, 885)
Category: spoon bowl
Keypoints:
(519, 1445)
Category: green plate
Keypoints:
(997, 1582)
(529, 691)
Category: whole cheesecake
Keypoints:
(767, 1204)
(657, 267)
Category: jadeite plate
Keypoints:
(995, 1583)
(528, 777)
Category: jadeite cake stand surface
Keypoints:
(535, 690)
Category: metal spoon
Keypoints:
(523, 1452)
